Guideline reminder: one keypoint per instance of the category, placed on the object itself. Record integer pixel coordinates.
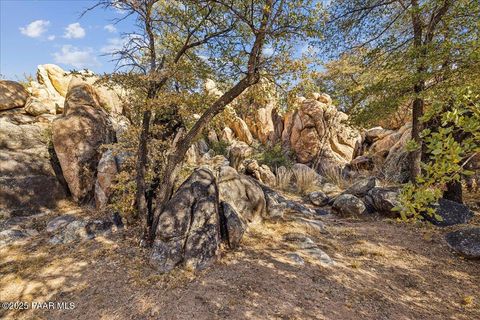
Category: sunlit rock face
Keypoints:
(12, 95)
(77, 137)
(319, 135)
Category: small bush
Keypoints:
(335, 175)
(275, 157)
(220, 148)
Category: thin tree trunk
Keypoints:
(417, 127)
(142, 152)
(175, 158)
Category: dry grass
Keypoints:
(284, 177)
(305, 180)
(334, 175)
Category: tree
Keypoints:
(181, 43)
(410, 47)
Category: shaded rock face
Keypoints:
(232, 226)
(260, 172)
(318, 135)
(318, 198)
(384, 151)
(12, 95)
(362, 187)
(238, 152)
(466, 242)
(451, 212)
(188, 230)
(77, 136)
(383, 200)
(348, 204)
(106, 171)
(28, 182)
(242, 193)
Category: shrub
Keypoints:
(275, 157)
(220, 148)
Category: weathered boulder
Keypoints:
(318, 198)
(28, 179)
(238, 152)
(12, 95)
(242, 193)
(232, 226)
(279, 207)
(383, 200)
(260, 122)
(106, 172)
(396, 163)
(260, 172)
(241, 130)
(319, 136)
(50, 98)
(322, 97)
(465, 241)
(54, 78)
(77, 137)
(36, 107)
(361, 187)
(227, 135)
(348, 204)
(307, 248)
(59, 222)
(452, 213)
(188, 230)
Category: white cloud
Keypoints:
(113, 45)
(51, 37)
(35, 28)
(110, 28)
(78, 58)
(74, 31)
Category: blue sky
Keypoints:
(34, 32)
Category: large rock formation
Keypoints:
(77, 137)
(188, 230)
(318, 134)
(12, 95)
(383, 151)
(54, 78)
(28, 181)
(242, 193)
(260, 122)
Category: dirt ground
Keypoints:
(383, 270)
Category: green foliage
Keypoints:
(454, 143)
(220, 147)
(275, 157)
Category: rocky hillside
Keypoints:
(55, 134)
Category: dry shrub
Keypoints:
(334, 175)
(284, 177)
(305, 179)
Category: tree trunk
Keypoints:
(140, 200)
(417, 127)
(177, 155)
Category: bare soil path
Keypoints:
(383, 270)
